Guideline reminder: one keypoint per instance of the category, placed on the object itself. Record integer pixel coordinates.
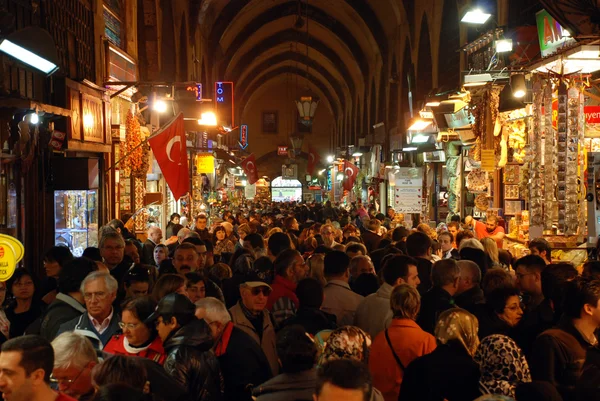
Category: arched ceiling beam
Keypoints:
(291, 70)
(338, 72)
(315, 14)
(298, 58)
(284, 37)
(358, 10)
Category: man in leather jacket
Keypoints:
(188, 344)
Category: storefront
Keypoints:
(283, 190)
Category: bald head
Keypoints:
(155, 234)
(470, 275)
(183, 234)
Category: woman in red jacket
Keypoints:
(138, 339)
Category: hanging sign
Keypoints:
(197, 89)
(250, 191)
(205, 164)
(243, 136)
(11, 253)
(551, 35)
(224, 103)
(488, 160)
(408, 191)
(282, 150)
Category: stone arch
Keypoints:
(373, 99)
(408, 88)
(424, 64)
(393, 102)
(168, 57)
(448, 56)
(183, 54)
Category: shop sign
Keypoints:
(11, 253)
(250, 191)
(197, 89)
(282, 150)
(205, 164)
(550, 34)
(408, 190)
(243, 136)
(592, 114)
(488, 160)
(224, 103)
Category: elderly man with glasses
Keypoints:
(100, 322)
(74, 359)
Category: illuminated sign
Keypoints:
(243, 136)
(282, 150)
(224, 103)
(551, 35)
(197, 89)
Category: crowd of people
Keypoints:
(286, 302)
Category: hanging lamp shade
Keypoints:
(307, 106)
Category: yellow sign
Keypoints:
(11, 253)
(488, 160)
(205, 164)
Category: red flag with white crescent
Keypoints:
(313, 159)
(249, 166)
(170, 151)
(350, 171)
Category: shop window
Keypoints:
(113, 22)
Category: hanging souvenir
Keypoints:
(535, 184)
(548, 159)
(572, 141)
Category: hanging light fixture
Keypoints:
(307, 104)
(518, 85)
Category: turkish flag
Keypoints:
(313, 159)
(169, 147)
(249, 166)
(350, 171)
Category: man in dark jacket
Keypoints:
(298, 376)
(371, 237)
(445, 276)
(309, 315)
(69, 302)
(187, 342)
(418, 245)
(469, 291)
(154, 237)
(242, 361)
(558, 354)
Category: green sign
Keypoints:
(551, 35)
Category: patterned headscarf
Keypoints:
(346, 342)
(502, 364)
(458, 325)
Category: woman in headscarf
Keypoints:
(449, 372)
(503, 366)
(352, 343)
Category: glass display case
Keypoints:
(76, 219)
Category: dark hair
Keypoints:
(296, 351)
(201, 216)
(475, 255)
(495, 278)
(192, 278)
(455, 223)
(17, 276)
(72, 274)
(446, 234)
(176, 228)
(347, 374)
(36, 353)
(418, 244)
(579, 292)
(256, 240)
(541, 245)
(495, 301)
(216, 230)
(284, 260)
(120, 392)
(120, 369)
(365, 284)
(462, 235)
(185, 245)
(116, 224)
(167, 284)
(173, 215)
(92, 253)
(310, 293)
(58, 254)
(591, 269)
(396, 266)
(336, 263)
(194, 241)
(554, 281)
(444, 272)
(399, 233)
(137, 274)
(531, 262)
(322, 249)
(278, 242)
(141, 308)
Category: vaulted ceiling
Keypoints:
(338, 45)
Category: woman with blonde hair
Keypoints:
(316, 267)
(491, 250)
(449, 372)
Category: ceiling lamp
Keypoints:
(472, 80)
(307, 105)
(508, 101)
(475, 17)
(419, 125)
(33, 46)
(518, 85)
(504, 45)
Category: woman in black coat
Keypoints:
(448, 373)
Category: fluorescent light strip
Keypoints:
(27, 57)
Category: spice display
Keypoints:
(136, 162)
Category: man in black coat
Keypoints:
(418, 245)
(469, 291)
(154, 237)
(187, 342)
(309, 314)
(445, 277)
(242, 360)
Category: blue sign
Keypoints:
(198, 92)
(224, 103)
(243, 136)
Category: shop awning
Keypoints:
(25, 104)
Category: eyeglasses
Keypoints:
(265, 290)
(100, 295)
(129, 326)
(68, 382)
